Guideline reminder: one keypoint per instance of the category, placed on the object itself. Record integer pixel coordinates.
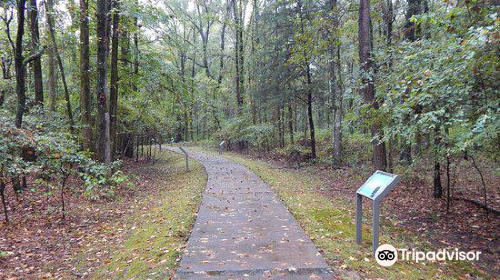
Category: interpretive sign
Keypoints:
(375, 188)
(378, 185)
(221, 147)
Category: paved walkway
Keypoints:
(243, 231)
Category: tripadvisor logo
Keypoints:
(387, 255)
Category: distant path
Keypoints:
(243, 231)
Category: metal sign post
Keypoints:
(187, 157)
(375, 188)
(221, 146)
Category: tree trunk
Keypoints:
(366, 60)
(280, 130)
(102, 91)
(335, 89)
(19, 65)
(50, 23)
(35, 45)
(128, 145)
(337, 112)
(2, 97)
(412, 31)
(63, 201)
(223, 43)
(238, 17)
(52, 78)
(136, 50)
(389, 20)
(309, 88)
(85, 76)
(438, 188)
(290, 121)
(4, 203)
(412, 34)
(113, 103)
(310, 112)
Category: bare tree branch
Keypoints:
(34, 56)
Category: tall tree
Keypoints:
(103, 142)
(204, 14)
(19, 64)
(35, 45)
(335, 81)
(412, 32)
(223, 42)
(238, 51)
(309, 89)
(136, 48)
(113, 98)
(52, 81)
(389, 22)
(50, 22)
(85, 103)
(368, 81)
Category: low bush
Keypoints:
(42, 151)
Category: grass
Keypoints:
(158, 233)
(330, 224)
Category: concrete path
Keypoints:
(243, 231)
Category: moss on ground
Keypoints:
(159, 233)
(330, 224)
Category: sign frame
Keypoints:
(221, 147)
(388, 183)
(187, 157)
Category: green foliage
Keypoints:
(259, 135)
(239, 130)
(42, 150)
(446, 83)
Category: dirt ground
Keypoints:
(38, 244)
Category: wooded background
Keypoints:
(389, 83)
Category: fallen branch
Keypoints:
(480, 204)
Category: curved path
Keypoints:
(243, 231)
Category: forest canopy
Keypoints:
(332, 81)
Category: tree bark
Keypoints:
(310, 111)
(238, 17)
(52, 78)
(35, 45)
(223, 43)
(389, 20)
(113, 103)
(412, 31)
(50, 23)
(4, 204)
(19, 65)
(366, 60)
(290, 121)
(338, 109)
(2, 97)
(335, 89)
(438, 188)
(307, 64)
(136, 50)
(204, 31)
(85, 76)
(102, 90)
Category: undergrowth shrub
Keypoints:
(44, 151)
